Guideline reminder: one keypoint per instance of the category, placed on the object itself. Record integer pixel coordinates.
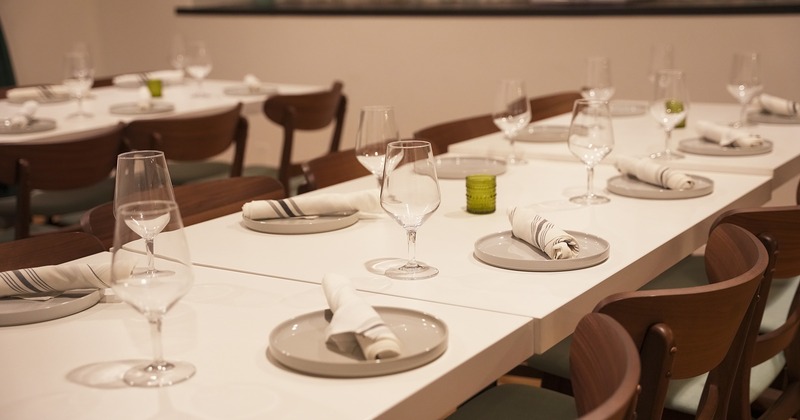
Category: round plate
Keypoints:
(133, 108)
(459, 167)
(16, 311)
(543, 133)
(247, 91)
(299, 344)
(700, 146)
(767, 118)
(504, 250)
(632, 187)
(35, 126)
(627, 108)
(301, 225)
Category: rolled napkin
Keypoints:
(727, 136)
(778, 106)
(652, 172)
(355, 322)
(51, 279)
(366, 202)
(252, 82)
(145, 100)
(25, 115)
(167, 77)
(537, 231)
(42, 93)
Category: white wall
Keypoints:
(431, 68)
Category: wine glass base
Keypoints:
(159, 375)
(740, 124)
(589, 199)
(667, 155)
(418, 271)
(80, 114)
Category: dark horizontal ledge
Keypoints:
(509, 8)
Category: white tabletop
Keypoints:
(645, 236)
(639, 135)
(101, 100)
(69, 368)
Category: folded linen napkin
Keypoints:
(778, 106)
(42, 93)
(652, 172)
(727, 136)
(365, 202)
(50, 279)
(537, 231)
(145, 100)
(25, 115)
(167, 77)
(252, 82)
(355, 322)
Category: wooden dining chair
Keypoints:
(330, 169)
(305, 112)
(60, 166)
(190, 143)
(50, 249)
(198, 202)
(605, 367)
(447, 133)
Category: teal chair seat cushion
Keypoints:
(516, 401)
(51, 203)
(186, 172)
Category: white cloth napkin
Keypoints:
(367, 203)
(778, 106)
(355, 322)
(537, 231)
(167, 77)
(41, 93)
(50, 279)
(652, 172)
(727, 136)
(145, 100)
(25, 115)
(252, 82)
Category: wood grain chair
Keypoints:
(198, 202)
(306, 112)
(51, 249)
(447, 133)
(605, 367)
(190, 142)
(331, 169)
(65, 167)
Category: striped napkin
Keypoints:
(41, 93)
(651, 172)
(367, 203)
(727, 136)
(355, 322)
(167, 77)
(778, 106)
(537, 231)
(52, 279)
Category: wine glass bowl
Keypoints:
(78, 77)
(591, 138)
(669, 106)
(410, 194)
(511, 113)
(376, 128)
(597, 84)
(198, 65)
(745, 82)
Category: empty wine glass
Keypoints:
(597, 83)
(745, 82)
(78, 76)
(669, 106)
(662, 56)
(198, 65)
(591, 138)
(410, 194)
(152, 285)
(511, 113)
(376, 129)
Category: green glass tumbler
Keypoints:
(481, 194)
(154, 85)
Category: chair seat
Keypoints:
(50, 203)
(186, 172)
(516, 401)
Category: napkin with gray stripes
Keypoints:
(650, 171)
(534, 229)
(778, 106)
(726, 135)
(53, 279)
(367, 203)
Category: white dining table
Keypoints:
(70, 368)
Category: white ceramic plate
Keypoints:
(299, 344)
(632, 187)
(247, 91)
(766, 118)
(700, 146)
(15, 311)
(35, 126)
(543, 133)
(627, 108)
(458, 167)
(504, 250)
(301, 225)
(133, 108)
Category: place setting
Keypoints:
(146, 103)
(251, 86)
(649, 178)
(43, 94)
(24, 121)
(724, 140)
(351, 338)
(770, 109)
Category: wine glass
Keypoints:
(662, 56)
(511, 113)
(410, 194)
(597, 84)
(152, 285)
(669, 106)
(591, 138)
(78, 76)
(745, 82)
(376, 129)
(198, 65)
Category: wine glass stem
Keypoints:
(412, 248)
(743, 115)
(149, 247)
(155, 334)
(589, 181)
(667, 138)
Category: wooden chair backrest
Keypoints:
(331, 169)
(48, 249)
